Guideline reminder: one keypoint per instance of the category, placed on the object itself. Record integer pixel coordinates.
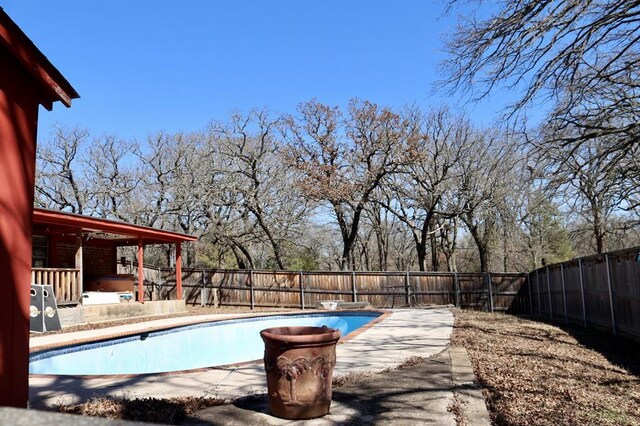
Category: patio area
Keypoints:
(402, 334)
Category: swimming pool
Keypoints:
(183, 348)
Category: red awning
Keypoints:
(122, 233)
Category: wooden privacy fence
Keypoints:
(601, 291)
(302, 289)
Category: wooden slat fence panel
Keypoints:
(326, 286)
(275, 288)
(505, 290)
(574, 292)
(473, 291)
(601, 291)
(303, 289)
(596, 292)
(625, 273)
(557, 295)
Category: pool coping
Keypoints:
(72, 342)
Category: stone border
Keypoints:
(467, 388)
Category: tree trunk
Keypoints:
(435, 261)
(483, 248)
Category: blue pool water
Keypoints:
(183, 348)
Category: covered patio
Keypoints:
(75, 254)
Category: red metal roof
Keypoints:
(121, 232)
(55, 86)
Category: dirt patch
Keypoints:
(538, 374)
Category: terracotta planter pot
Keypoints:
(299, 364)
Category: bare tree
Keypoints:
(110, 177)
(252, 157)
(60, 183)
(594, 188)
(484, 184)
(415, 194)
(344, 161)
(581, 55)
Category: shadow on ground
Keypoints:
(419, 394)
(618, 350)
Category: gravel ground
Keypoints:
(534, 373)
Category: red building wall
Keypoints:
(18, 125)
(97, 260)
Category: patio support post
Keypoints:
(178, 271)
(78, 262)
(140, 271)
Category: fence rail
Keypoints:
(602, 291)
(259, 288)
(65, 282)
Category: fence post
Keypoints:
(353, 286)
(456, 288)
(251, 289)
(613, 312)
(490, 292)
(301, 281)
(550, 300)
(530, 294)
(538, 291)
(584, 304)
(564, 294)
(406, 288)
(203, 293)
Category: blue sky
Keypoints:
(142, 66)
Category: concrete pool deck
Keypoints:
(403, 334)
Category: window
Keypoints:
(40, 256)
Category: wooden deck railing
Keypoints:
(65, 282)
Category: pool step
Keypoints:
(341, 304)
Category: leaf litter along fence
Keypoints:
(601, 291)
(302, 289)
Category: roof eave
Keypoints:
(92, 224)
(56, 87)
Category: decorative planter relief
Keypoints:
(299, 365)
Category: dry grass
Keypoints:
(538, 374)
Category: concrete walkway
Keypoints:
(439, 391)
(409, 394)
